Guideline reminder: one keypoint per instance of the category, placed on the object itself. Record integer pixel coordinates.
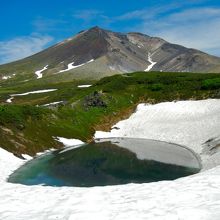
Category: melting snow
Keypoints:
(189, 123)
(8, 77)
(152, 63)
(112, 68)
(84, 86)
(34, 92)
(28, 93)
(195, 197)
(71, 66)
(53, 103)
(10, 100)
(39, 72)
(68, 142)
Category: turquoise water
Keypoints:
(109, 162)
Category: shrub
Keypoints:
(16, 114)
(211, 83)
(156, 87)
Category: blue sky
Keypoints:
(28, 26)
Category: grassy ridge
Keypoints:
(29, 129)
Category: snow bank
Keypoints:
(152, 63)
(39, 72)
(195, 197)
(8, 163)
(69, 142)
(189, 123)
(71, 66)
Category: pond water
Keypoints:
(109, 162)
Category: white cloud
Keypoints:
(186, 23)
(21, 47)
(202, 35)
(195, 14)
(157, 10)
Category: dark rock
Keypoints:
(94, 100)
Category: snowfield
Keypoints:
(195, 197)
(188, 123)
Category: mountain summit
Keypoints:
(96, 52)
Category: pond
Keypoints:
(109, 162)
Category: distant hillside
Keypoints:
(95, 53)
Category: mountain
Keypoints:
(96, 52)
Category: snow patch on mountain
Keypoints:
(39, 72)
(9, 100)
(84, 86)
(8, 76)
(53, 103)
(152, 63)
(34, 92)
(71, 66)
(111, 67)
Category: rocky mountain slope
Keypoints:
(95, 53)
